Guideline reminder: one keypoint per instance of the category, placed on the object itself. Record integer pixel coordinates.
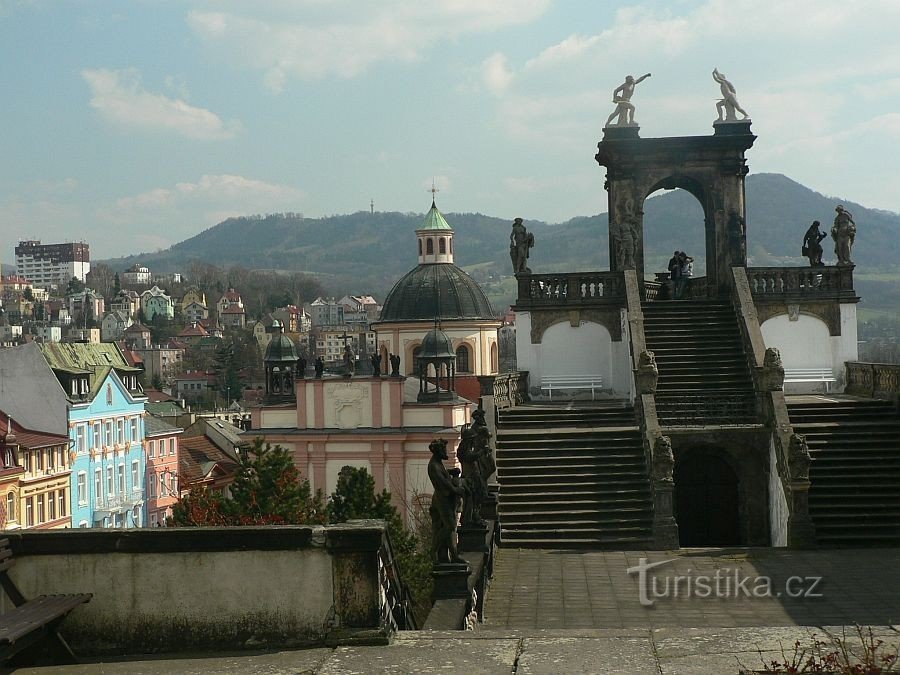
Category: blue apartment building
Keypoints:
(106, 431)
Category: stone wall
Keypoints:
(192, 589)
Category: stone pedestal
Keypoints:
(622, 132)
(665, 528)
(473, 538)
(801, 530)
(451, 580)
(732, 127)
(489, 505)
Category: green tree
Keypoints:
(355, 498)
(117, 284)
(226, 366)
(75, 285)
(267, 490)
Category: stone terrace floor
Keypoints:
(553, 612)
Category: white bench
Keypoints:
(552, 382)
(810, 375)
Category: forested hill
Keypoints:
(365, 251)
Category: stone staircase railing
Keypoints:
(657, 448)
(873, 380)
(768, 381)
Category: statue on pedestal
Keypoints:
(395, 364)
(301, 368)
(663, 460)
(320, 367)
(520, 243)
(376, 364)
(728, 103)
(349, 361)
(798, 458)
(443, 506)
(812, 245)
(469, 454)
(622, 98)
(843, 232)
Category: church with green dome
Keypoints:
(437, 290)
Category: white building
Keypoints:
(52, 265)
(137, 275)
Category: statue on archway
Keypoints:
(622, 98)
(812, 245)
(625, 236)
(520, 243)
(728, 103)
(843, 232)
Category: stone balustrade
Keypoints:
(875, 380)
(801, 282)
(575, 289)
(510, 389)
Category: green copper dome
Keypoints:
(441, 291)
(434, 220)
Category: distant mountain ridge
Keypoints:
(372, 250)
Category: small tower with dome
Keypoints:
(280, 363)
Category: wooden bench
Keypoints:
(552, 382)
(810, 375)
(33, 621)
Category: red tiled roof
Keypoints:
(197, 457)
(233, 309)
(193, 331)
(157, 396)
(31, 439)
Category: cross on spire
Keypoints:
(433, 191)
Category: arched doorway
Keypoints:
(706, 499)
(661, 209)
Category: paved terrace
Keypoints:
(573, 612)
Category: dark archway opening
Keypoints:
(706, 500)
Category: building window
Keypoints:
(38, 460)
(29, 512)
(97, 442)
(152, 448)
(153, 521)
(134, 475)
(10, 506)
(120, 431)
(429, 246)
(51, 506)
(110, 486)
(98, 486)
(121, 473)
(495, 358)
(80, 432)
(151, 484)
(420, 247)
(134, 429)
(163, 492)
(40, 509)
(108, 433)
(171, 446)
(442, 245)
(462, 359)
(61, 500)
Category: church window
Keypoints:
(442, 245)
(429, 246)
(451, 246)
(495, 358)
(420, 247)
(462, 359)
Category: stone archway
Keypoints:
(712, 168)
(707, 499)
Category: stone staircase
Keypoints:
(572, 477)
(704, 378)
(854, 499)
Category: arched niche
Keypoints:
(804, 340)
(576, 350)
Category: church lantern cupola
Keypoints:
(435, 238)
(281, 366)
(438, 361)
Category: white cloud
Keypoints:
(313, 40)
(496, 74)
(223, 189)
(119, 97)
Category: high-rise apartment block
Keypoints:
(47, 265)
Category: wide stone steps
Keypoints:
(703, 378)
(572, 477)
(854, 496)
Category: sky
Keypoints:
(135, 124)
